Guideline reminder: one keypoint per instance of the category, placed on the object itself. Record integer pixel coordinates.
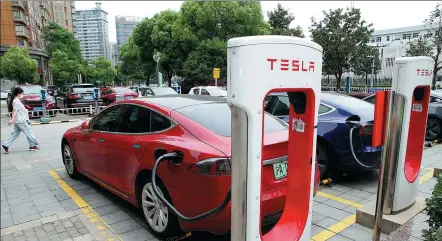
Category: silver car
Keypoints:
(434, 122)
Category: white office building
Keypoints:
(91, 29)
(393, 43)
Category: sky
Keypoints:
(383, 14)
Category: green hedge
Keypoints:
(434, 211)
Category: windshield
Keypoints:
(32, 89)
(218, 92)
(164, 91)
(217, 118)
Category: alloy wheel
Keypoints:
(322, 160)
(68, 160)
(155, 211)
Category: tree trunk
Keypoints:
(338, 82)
(433, 84)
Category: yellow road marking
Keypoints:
(59, 169)
(427, 176)
(83, 205)
(338, 199)
(335, 228)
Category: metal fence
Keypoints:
(59, 114)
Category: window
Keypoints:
(378, 39)
(138, 119)
(21, 43)
(146, 92)
(17, 14)
(371, 99)
(324, 109)
(415, 35)
(429, 35)
(158, 122)
(60, 14)
(397, 37)
(389, 61)
(105, 121)
(66, 22)
(196, 91)
(406, 36)
(388, 38)
(204, 92)
(216, 117)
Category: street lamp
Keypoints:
(157, 58)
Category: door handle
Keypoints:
(100, 140)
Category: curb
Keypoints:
(53, 122)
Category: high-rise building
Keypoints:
(63, 12)
(125, 26)
(91, 29)
(112, 57)
(22, 24)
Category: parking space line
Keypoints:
(338, 199)
(335, 229)
(427, 176)
(59, 169)
(85, 208)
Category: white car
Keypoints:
(208, 90)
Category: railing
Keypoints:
(20, 4)
(24, 33)
(355, 89)
(21, 18)
(54, 112)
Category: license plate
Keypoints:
(280, 170)
(38, 108)
(128, 97)
(87, 97)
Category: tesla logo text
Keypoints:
(424, 72)
(293, 65)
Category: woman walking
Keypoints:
(20, 119)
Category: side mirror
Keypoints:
(85, 126)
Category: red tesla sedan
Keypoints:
(118, 148)
(109, 95)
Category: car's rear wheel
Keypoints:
(434, 129)
(160, 220)
(326, 164)
(69, 162)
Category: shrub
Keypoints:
(434, 210)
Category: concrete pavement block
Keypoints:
(365, 216)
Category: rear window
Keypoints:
(217, 118)
(83, 88)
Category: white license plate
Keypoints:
(87, 97)
(280, 170)
(128, 97)
(38, 108)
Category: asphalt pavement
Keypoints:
(40, 202)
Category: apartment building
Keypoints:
(91, 29)
(63, 13)
(112, 57)
(124, 27)
(22, 24)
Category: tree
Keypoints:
(17, 65)
(58, 38)
(101, 70)
(64, 70)
(431, 43)
(280, 20)
(341, 34)
(130, 69)
(420, 47)
(366, 62)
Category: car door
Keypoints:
(123, 152)
(90, 145)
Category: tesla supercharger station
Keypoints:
(411, 86)
(257, 66)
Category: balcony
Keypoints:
(23, 33)
(20, 18)
(19, 4)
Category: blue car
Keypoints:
(345, 129)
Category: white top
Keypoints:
(22, 112)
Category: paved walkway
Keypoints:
(40, 202)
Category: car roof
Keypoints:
(174, 102)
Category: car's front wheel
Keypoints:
(434, 129)
(69, 161)
(326, 164)
(159, 219)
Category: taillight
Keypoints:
(366, 130)
(212, 167)
(74, 96)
